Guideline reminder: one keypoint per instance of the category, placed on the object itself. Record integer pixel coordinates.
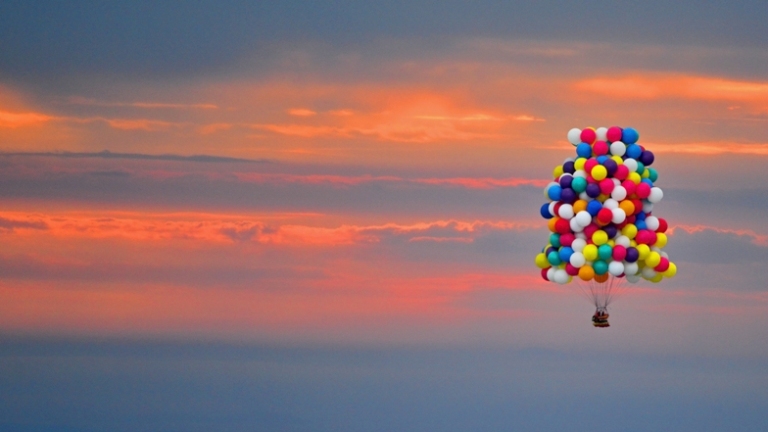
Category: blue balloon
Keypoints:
(641, 216)
(640, 224)
(594, 207)
(629, 135)
(634, 151)
(565, 253)
(647, 181)
(554, 192)
(584, 150)
(593, 190)
(545, 211)
(601, 159)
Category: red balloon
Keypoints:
(613, 134)
(588, 136)
(563, 226)
(643, 190)
(604, 216)
(638, 206)
(557, 208)
(567, 239)
(600, 148)
(662, 226)
(544, 274)
(571, 270)
(589, 164)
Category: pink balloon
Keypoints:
(621, 172)
(571, 270)
(567, 239)
(588, 136)
(606, 186)
(630, 186)
(600, 148)
(589, 164)
(663, 265)
(643, 190)
(613, 134)
(619, 253)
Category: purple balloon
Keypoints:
(569, 168)
(565, 181)
(611, 230)
(593, 190)
(568, 195)
(610, 166)
(632, 255)
(550, 250)
(647, 158)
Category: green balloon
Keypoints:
(605, 252)
(601, 267)
(579, 184)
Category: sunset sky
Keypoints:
(323, 215)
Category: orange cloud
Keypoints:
(301, 112)
(660, 86)
(139, 124)
(755, 237)
(149, 105)
(711, 149)
(15, 120)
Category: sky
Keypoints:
(324, 215)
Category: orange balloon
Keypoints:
(586, 273)
(579, 205)
(552, 223)
(628, 207)
(601, 278)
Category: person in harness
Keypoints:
(600, 318)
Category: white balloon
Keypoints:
(566, 211)
(631, 268)
(584, 218)
(578, 245)
(656, 195)
(647, 272)
(602, 133)
(611, 203)
(652, 223)
(633, 279)
(568, 159)
(561, 276)
(581, 235)
(552, 208)
(574, 136)
(580, 173)
(616, 182)
(584, 196)
(631, 164)
(575, 227)
(664, 254)
(618, 216)
(618, 148)
(616, 268)
(551, 274)
(623, 240)
(619, 193)
(647, 206)
(577, 259)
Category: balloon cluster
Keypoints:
(600, 212)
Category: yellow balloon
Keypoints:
(618, 160)
(629, 230)
(602, 197)
(671, 271)
(590, 252)
(653, 259)
(661, 240)
(541, 261)
(586, 272)
(657, 278)
(642, 252)
(558, 171)
(645, 174)
(599, 172)
(579, 163)
(611, 243)
(635, 178)
(633, 243)
(600, 237)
